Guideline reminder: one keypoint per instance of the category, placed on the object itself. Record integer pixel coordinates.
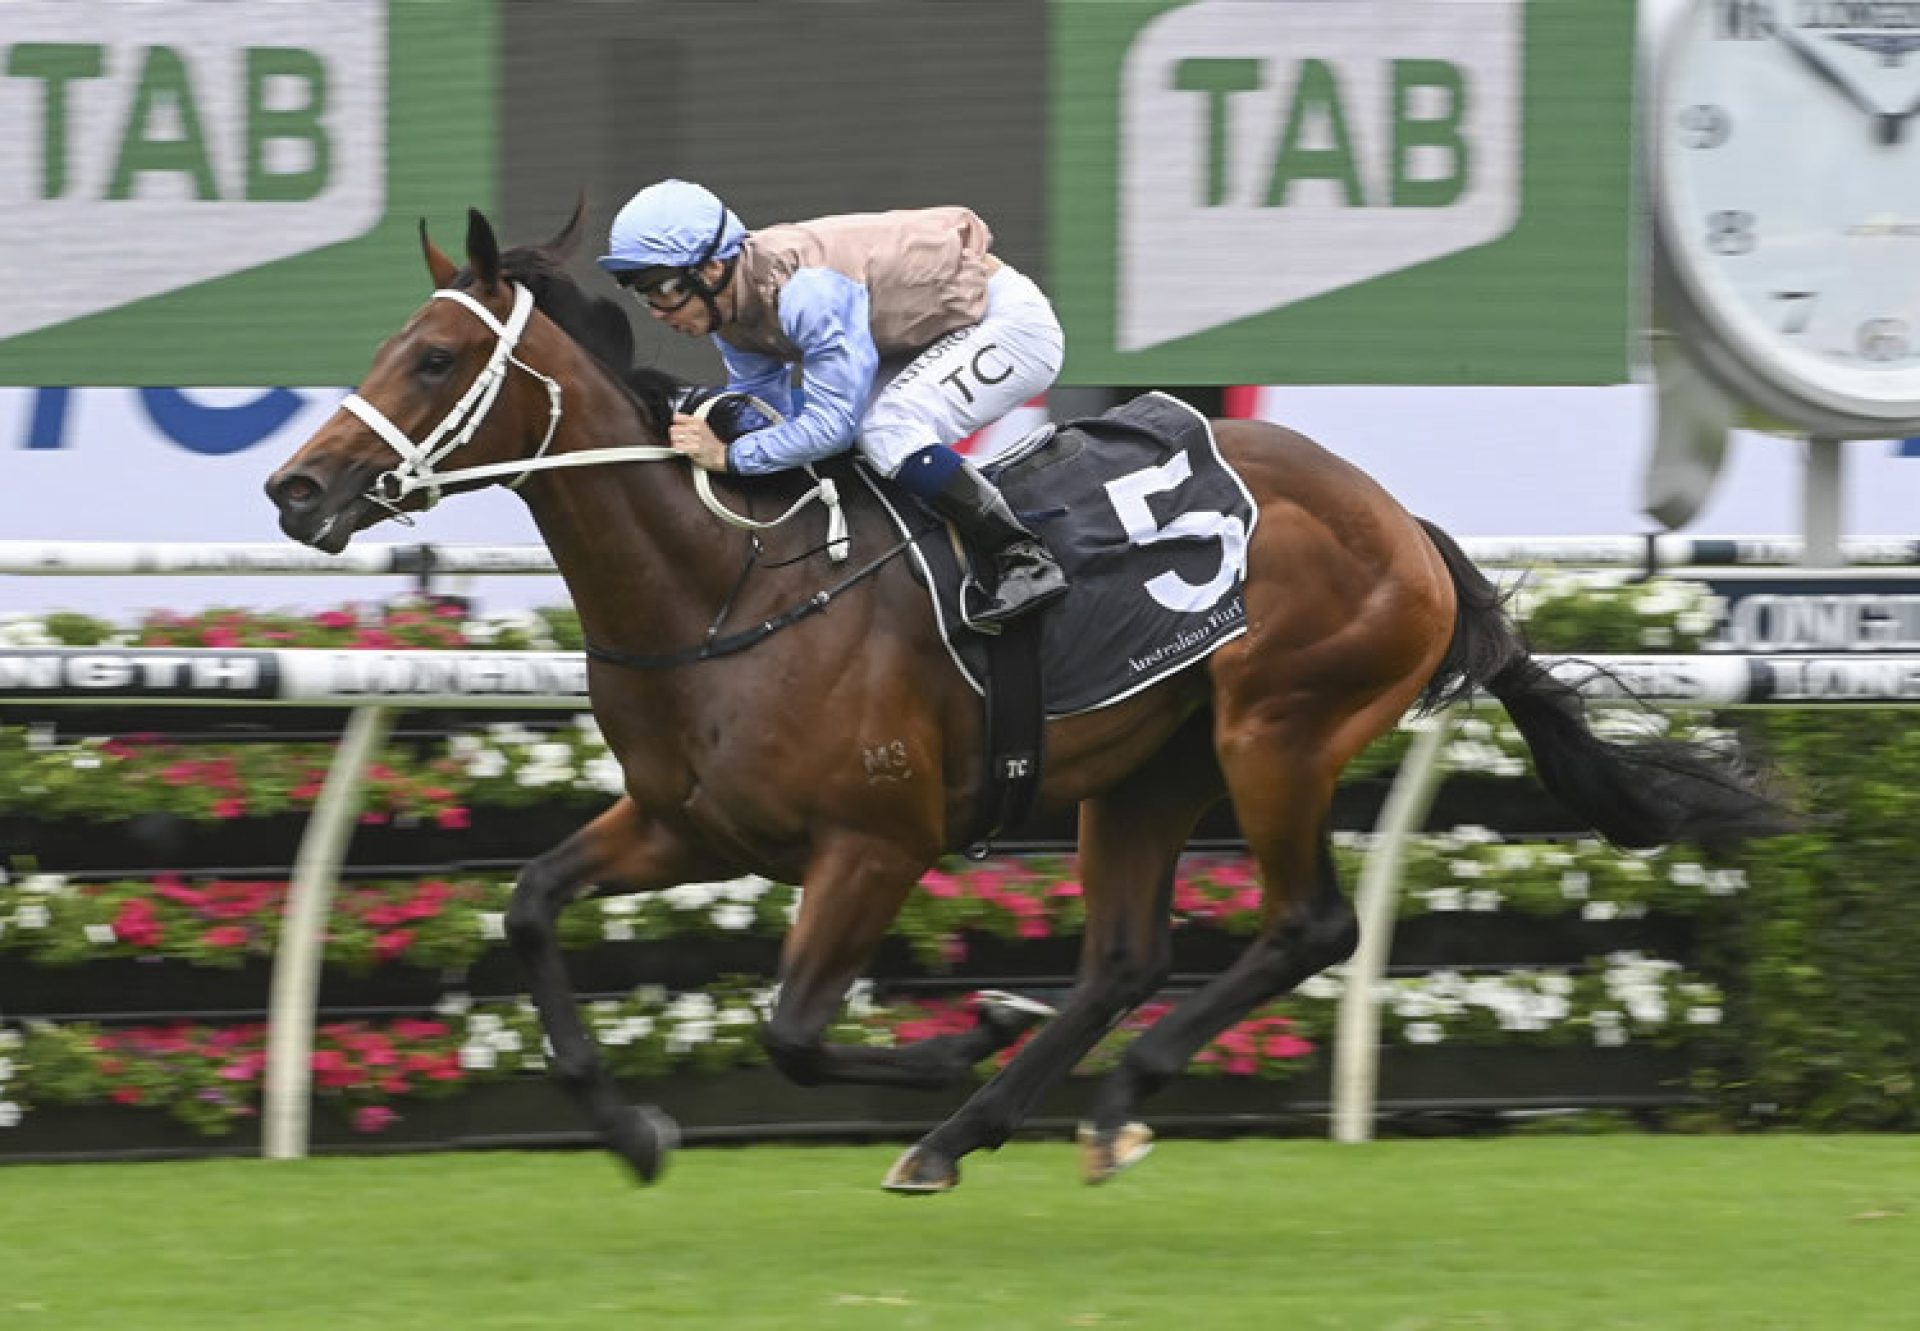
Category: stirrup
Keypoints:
(1000, 610)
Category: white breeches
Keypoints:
(970, 378)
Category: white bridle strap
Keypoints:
(416, 469)
(462, 420)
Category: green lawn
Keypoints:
(1807, 1233)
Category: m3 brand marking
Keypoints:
(887, 762)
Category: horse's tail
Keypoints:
(1635, 794)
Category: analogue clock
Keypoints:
(1785, 158)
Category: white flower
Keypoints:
(1703, 1016)
(618, 931)
(1575, 884)
(453, 1005)
(31, 915)
(1599, 910)
(692, 896)
(493, 924)
(1425, 1032)
(689, 1034)
(477, 1057)
(486, 764)
(1443, 899)
(6, 1069)
(1725, 882)
(1484, 899)
(9, 1114)
(1686, 873)
(733, 916)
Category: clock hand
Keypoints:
(1833, 78)
(1894, 123)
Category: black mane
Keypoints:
(595, 322)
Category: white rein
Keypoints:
(417, 460)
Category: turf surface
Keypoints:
(1587, 1234)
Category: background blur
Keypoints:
(207, 223)
(1426, 245)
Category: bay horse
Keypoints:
(757, 760)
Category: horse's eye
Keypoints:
(436, 361)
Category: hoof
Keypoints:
(643, 1136)
(921, 1171)
(1105, 1152)
(1010, 1016)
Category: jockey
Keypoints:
(908, 334)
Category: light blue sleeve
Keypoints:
(763, 377)
(824, 313)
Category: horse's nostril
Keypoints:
(296, 493)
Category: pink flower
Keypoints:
(373, 1118)
(392, 944)
(226, 935)
(1286, 1046)
(414, 1028)
(136, 924)
(454, 819)
(1032, 927)
(229, 807)
(332, 1070)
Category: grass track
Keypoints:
(1585, 1234)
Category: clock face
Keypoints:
(1787, 153)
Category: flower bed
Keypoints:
(449, 922)
(210, 1076)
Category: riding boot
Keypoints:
(1026, 577)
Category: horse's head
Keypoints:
(446, 386)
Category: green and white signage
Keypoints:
(224, 191)
(1360, 191)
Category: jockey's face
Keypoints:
(691, 316)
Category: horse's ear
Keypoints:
(438, 263)
(561, 247)
(483, 249)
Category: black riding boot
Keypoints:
(1025, 574)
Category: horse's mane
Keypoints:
(595, 322)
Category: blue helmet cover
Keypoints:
(672, 224)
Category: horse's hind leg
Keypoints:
(621, 850)
(1309, 926)
(1131, 837)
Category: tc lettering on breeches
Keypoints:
(969, 378)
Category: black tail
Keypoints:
(1640, 794)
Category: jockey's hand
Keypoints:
(694, 438)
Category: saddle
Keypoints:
(1151, 526)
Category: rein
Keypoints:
(417, 460)
(713, 645)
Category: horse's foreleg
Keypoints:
(853, 893)
(621, 850)
(1130, 843)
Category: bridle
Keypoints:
(416, 469)
(418, 461)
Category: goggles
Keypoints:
(665, 290)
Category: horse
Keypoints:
(749, 752)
